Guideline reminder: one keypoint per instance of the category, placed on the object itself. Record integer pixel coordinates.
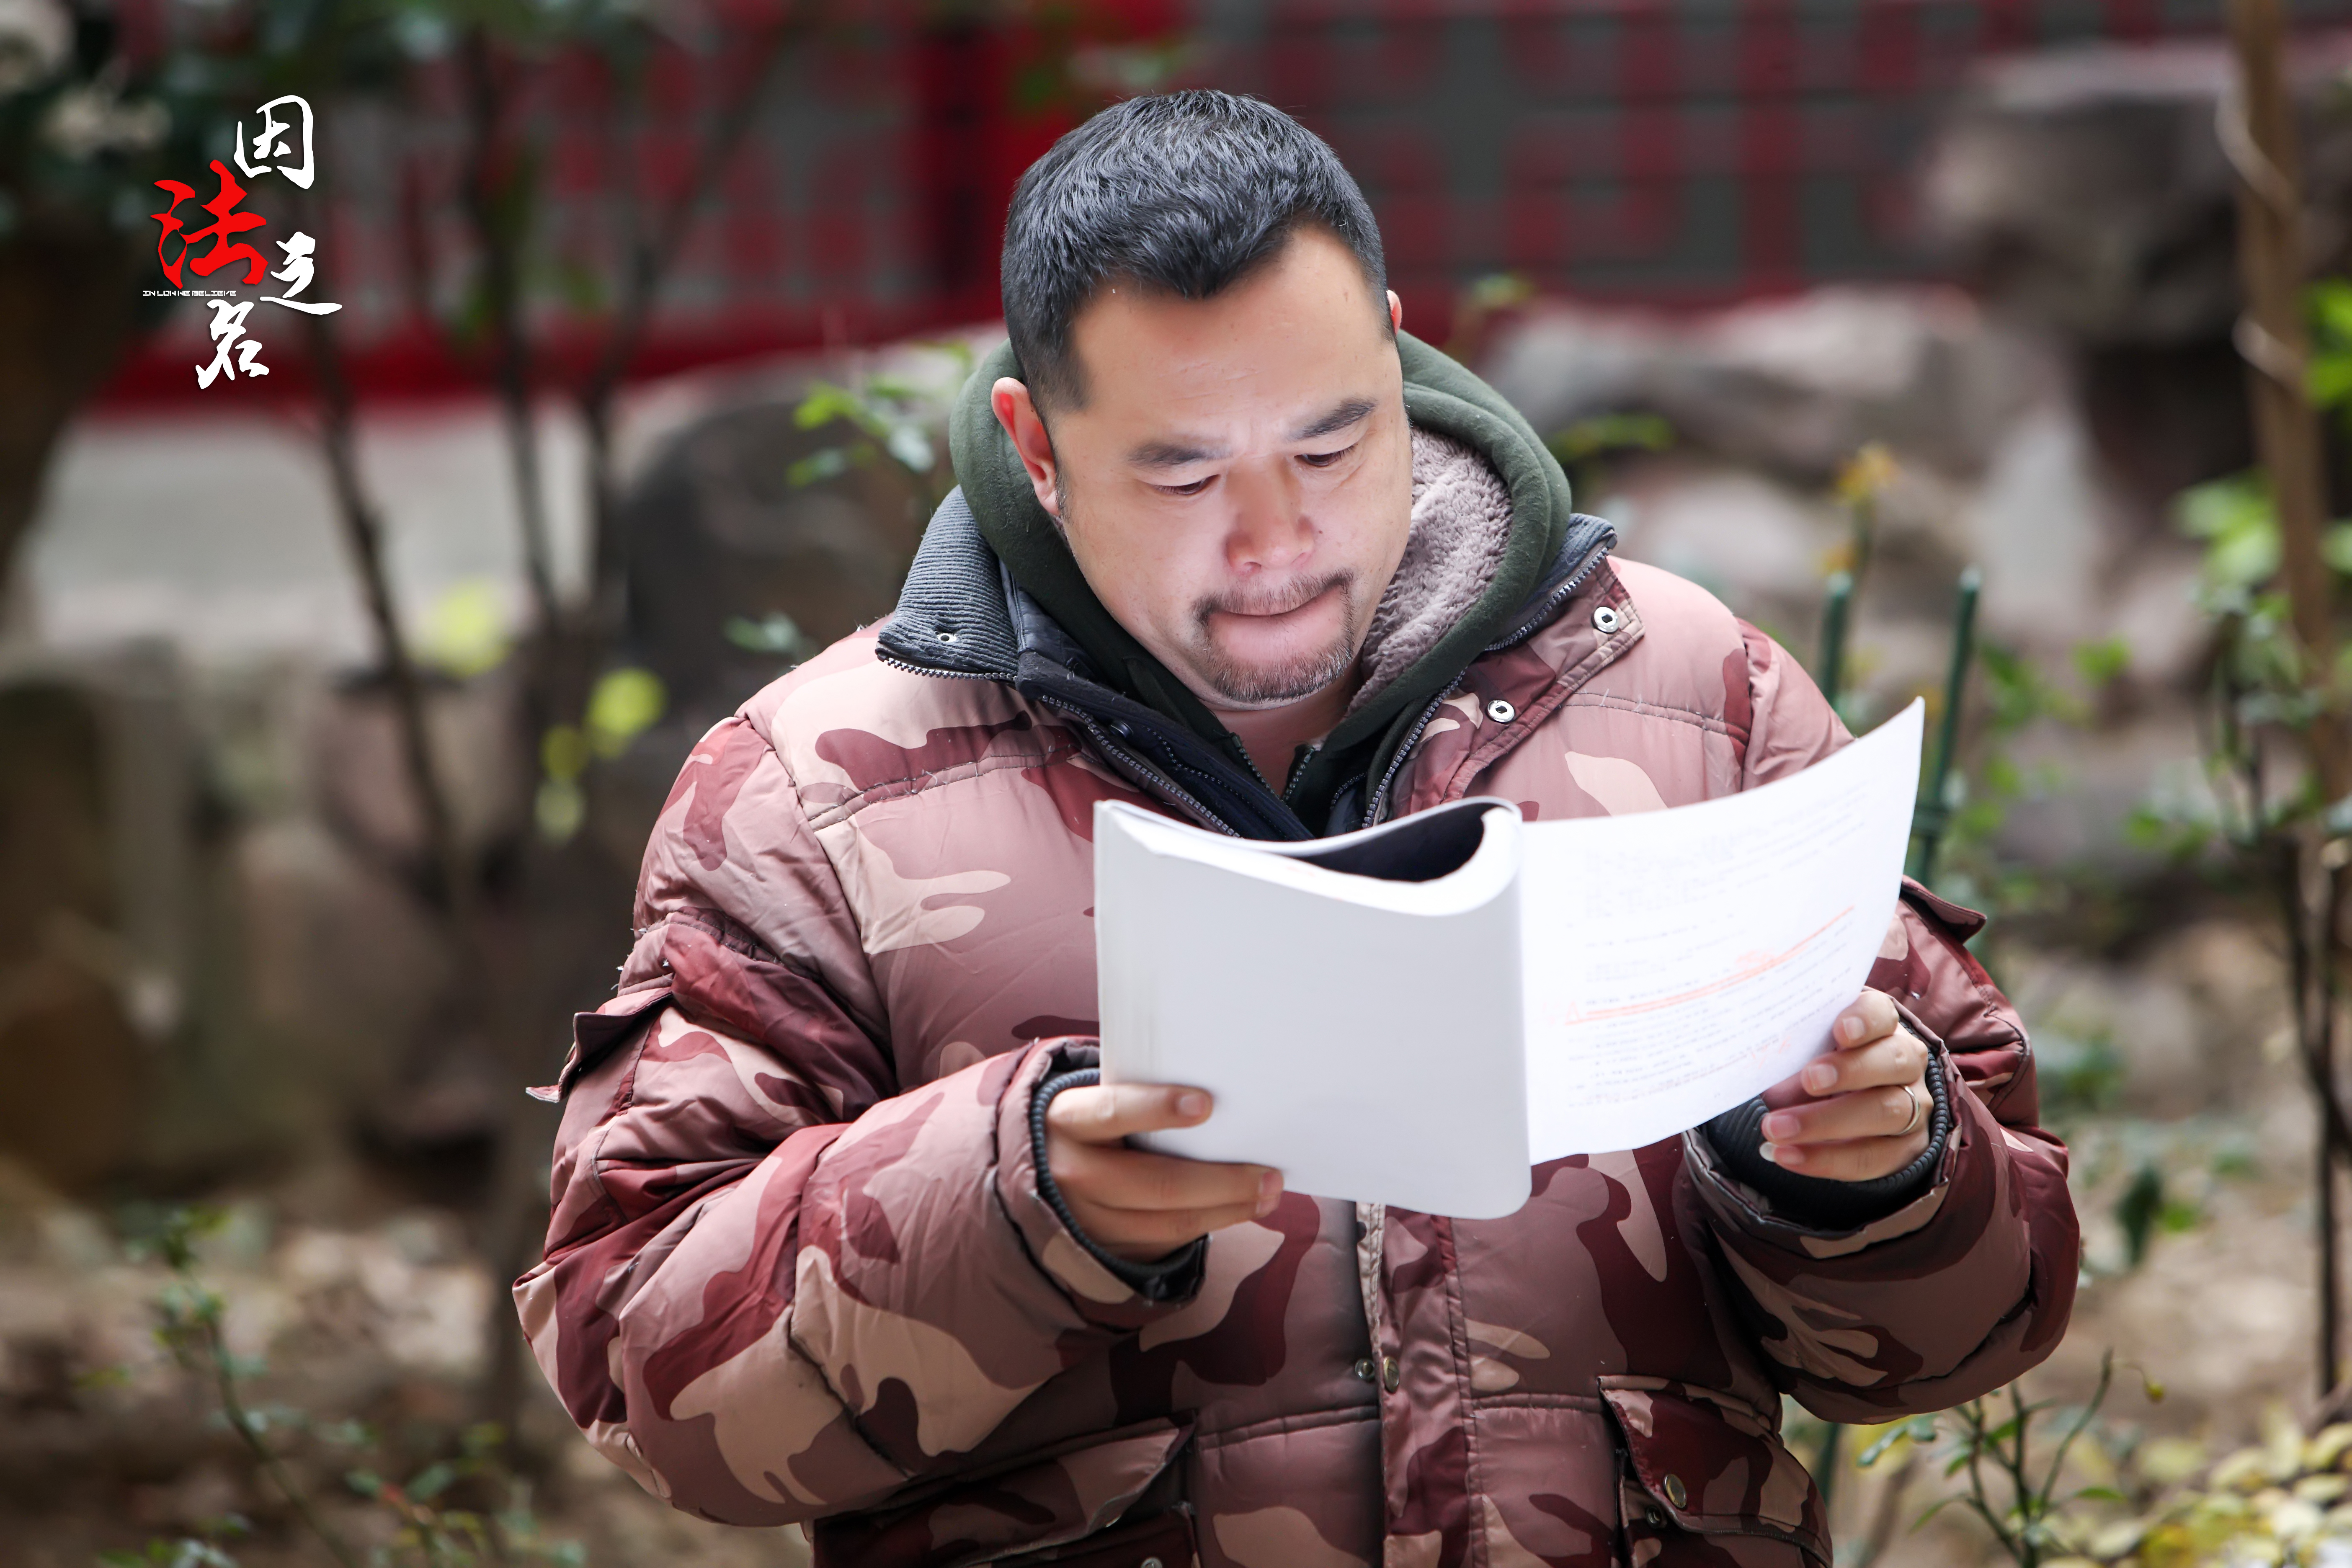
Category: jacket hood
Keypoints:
(1442, 398)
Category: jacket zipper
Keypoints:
(1396, 764)
(1136, 767)
(1524, 629)
(896, 663)
(1144, 771)
(1552, 602)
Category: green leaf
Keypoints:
(623, 705)
(913, 449)
(580, 287)
(2330, 304)
(464, 630)
(826, 463)
(560, 808)
(2136, 1210)
(823, 403)
(1605, 432)
(2103, 662)
(2235, 518)
(563, 753)
(431, 1481)
(1876, 1448)
(2329, 380)
(775, 633)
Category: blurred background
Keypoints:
(1993, 350)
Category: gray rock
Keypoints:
(2085, 189)
(1795, 386)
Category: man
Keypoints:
(844, 1232)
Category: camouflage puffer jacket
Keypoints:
(799, 1268)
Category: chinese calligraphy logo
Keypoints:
(235, 352)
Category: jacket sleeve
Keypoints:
(1970, 1283)
(776, 1285)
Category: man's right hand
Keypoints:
(1134, 1203)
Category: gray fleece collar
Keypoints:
(1461, 525)
(960, 612)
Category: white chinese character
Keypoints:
(296, 275)
(271, 141)
(228, 326)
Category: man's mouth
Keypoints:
(1272, 606)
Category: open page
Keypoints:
(1352, 1004)
(1678, 961)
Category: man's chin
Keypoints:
(1272, 683)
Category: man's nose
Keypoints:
(1270, 531)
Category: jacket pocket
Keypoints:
(1057, 1505)
(1700, 1463)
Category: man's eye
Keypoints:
(1195, 487)
(1325, 459)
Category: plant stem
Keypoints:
(364, 537)
(1889, 1511)
(2082, 1423)
(2021, 1491)
(1934, 813)
(1825, 1463)
(2256, 126)
(240, 1420)
(1973, 1419)
(651, 256)
(561, 661)
(493, 204)
(2335, 1141)
(1837, 607)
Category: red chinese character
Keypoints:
(227, 221)
(168, 217)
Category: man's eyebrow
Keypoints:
(1339, 418)
(1175, 454)
(1172, 454)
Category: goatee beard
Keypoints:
(1271, 686)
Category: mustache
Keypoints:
(1276, 600)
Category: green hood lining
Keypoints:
(1440, 396)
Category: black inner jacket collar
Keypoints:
(1440, 396)
(961, 614)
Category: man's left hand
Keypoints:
(1860, 1112)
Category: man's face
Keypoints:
(1238, 487)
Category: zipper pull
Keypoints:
(1298, 761)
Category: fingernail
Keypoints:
(1849, 1029)
(1269, 1192)
(1778, 1125)
(1780, 1154)
(1194, 1104)
(1819, 1076)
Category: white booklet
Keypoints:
(1417, 1013)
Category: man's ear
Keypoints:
(1396, 313)
(1017, 412)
